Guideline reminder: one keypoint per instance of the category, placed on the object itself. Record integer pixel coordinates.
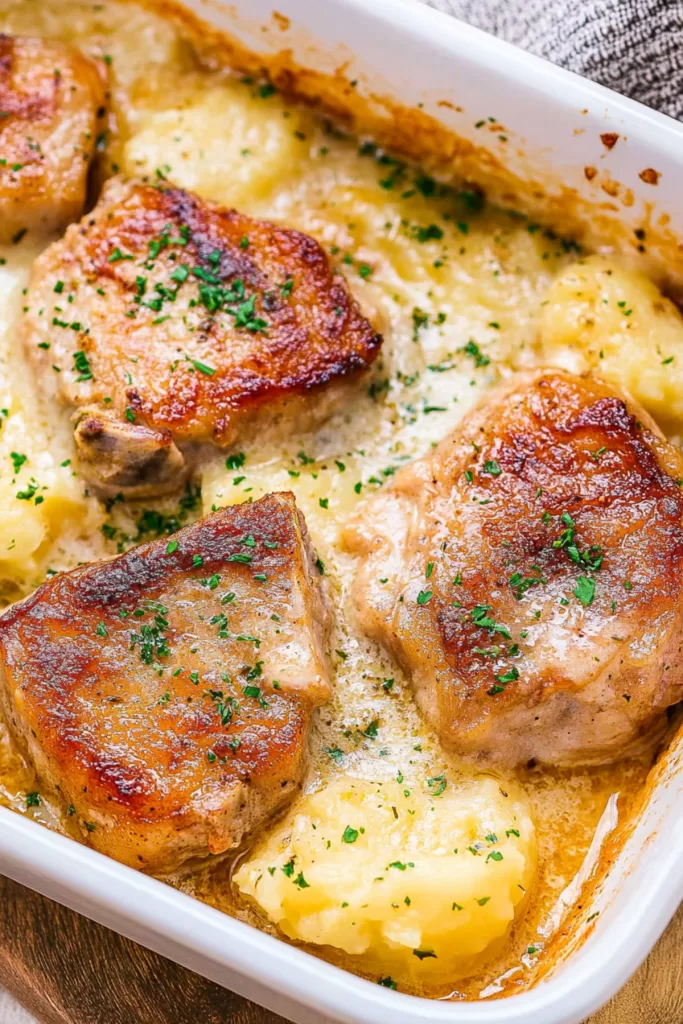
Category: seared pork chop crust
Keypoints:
(528, 573)
(166, 694)
(52, 101)
(190, 320)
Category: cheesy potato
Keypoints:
(600, 316)
(420, 879)
(44, 511)
(201, 139)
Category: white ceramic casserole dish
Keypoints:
(553, 139)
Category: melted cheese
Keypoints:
(457, 289)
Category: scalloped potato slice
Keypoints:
(43, 506)
(39, 509)
(423, 880)
(601, 316)
(217, 141)
(45, 514)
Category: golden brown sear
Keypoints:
(52, 112)
(174, 323)
(528, 573)
(166, 695)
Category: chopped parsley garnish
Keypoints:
(151, 640)
(82, 367)
(225, 706)
(203, 367)
(235, 461)
(437, 784)
(484, 621)
(584, 590)
(29, 492)
(432, 232)
(349, 835)
(117, 255)
(472, 349)
(591, 558)
(488, 652)
(255, 692)
(520, 584)
(180, 274)
(511, 676)
(240, 556)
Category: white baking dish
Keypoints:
(553, 122)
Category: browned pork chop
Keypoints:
(528, 574)
(52, 111)
(172, 322)
(166, 695)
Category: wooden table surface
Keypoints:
(67, 970)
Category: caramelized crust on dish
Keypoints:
(166, 694)
(528, 574)
(186, 321)
(51, 113)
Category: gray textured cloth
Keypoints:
(632, 46)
